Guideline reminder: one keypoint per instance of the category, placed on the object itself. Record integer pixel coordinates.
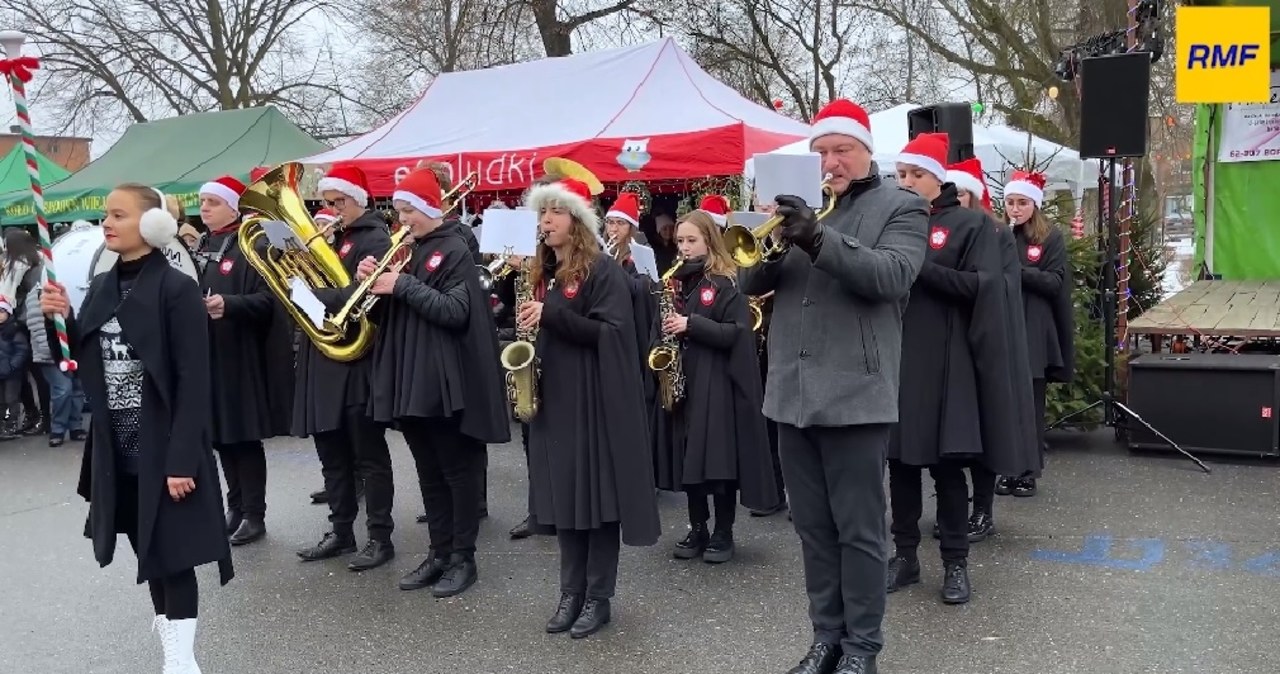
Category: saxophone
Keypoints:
(520, 358)
(664, 359)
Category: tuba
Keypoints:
(748, 247)
(664, 359)
(275, 196)
(520, 358)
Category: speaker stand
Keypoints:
(1113, 411)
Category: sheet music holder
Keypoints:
(509, 232)
(282, 236)
(795, 174)
(645, 261)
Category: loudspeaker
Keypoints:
(1213, 403)
(953, 119)
(1114, 94)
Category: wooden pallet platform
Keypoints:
(1222, 308)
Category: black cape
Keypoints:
(644, 307)
(955, 358)
(436, 354)
(589, 456)
(325, 388)
(1050, 317)
(1022, 414)
(157, 319)
(717, 436)
(251, 346)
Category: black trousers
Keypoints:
(244, 465)
(359, 444)
(176, 596)
(589, 560)
(725, 498)
(450, 470)
(35, 397)
(984, 488)
(835, 480)
(907, 504)
(1038, 393)
(772, 428)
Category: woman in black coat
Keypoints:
(148, 470)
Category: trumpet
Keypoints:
(493, 272)
(749, 246)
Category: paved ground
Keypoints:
(1123, 565)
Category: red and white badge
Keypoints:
(346, 248)
(433, 262)
(938, 237)
(225, 267)
(708, 296)
(1034, 253)
(571, 290)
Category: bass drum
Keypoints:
(81, 254)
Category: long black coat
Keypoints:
(644, 308)
(324, 387)
(157, 319)
(1046, 294)
(251, 349)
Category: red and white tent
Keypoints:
(636, 113)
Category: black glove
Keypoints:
(799, 223)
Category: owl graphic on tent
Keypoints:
(634, 155)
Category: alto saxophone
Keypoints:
(664, 359)
(520, 358)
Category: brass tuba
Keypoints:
(664, 359)
(520, 358)
(275, 196)
(748, 247)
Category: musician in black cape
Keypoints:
(765, 302)
(250, 356)
(955, 392)
(148, 469)
(591, 472)
(331, 398)
(435, 376)
(1046, 295)
(621, 231)
(715, 444)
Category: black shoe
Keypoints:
(332, 545)
(903, 571)
(318, 497)
(770, 511)
(937, 531)
(79, 436)
(694, 544)
(720, 548)
(1025, 487)
(56, 440)
(426, 575)
(856, 664)
(36, 426)
(821, 659)
(592, 619)
(567, 612)
(521, 530)
(955, 584)
(460, 575)
(1004, 485)
(422, 519)
(250, 530)
(234, 518)
(981, 525)
(372, 555)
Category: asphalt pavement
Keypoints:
(1124, 564)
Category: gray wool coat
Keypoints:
(835, 341)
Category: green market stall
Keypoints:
(13, 171)
(176, 155)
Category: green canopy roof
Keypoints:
(13, 171)
(176, 155)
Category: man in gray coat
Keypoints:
(835, 343)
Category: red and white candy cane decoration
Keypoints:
(18, 69)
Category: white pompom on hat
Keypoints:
(158, 226)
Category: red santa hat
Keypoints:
(258, 171)
(326, 215)
(1029, 184)
(843, 117)
(421, 189)
(568, 193)
(717, 206)
(968, 176)
(348, 180)
(157, 226)
(626, 207)
(225, 188)
(929, 152)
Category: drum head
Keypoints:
(73, 259)
(176, 252)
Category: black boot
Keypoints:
(332, 545)
(694, 544)
(320, 496)
(904, 570)
(981, 525)
(720, 548)
(521, 530)
(234, 518)
(1004, 485)
(250, 530)
(955, 583)
(422, 519)
(460, 575)
(856, 664)
(1024, 487)
(821, 659)
(592, 619)
(427, 574)
(567, 612)
(373, 555)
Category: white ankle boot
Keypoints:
(179, 640)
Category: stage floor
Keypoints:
(1223, 308)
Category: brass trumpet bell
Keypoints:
(748, 247)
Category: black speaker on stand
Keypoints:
(953, 119)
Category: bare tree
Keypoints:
(109, 63)
(557, 20)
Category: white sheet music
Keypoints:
(509, 232)
(795, 174)
(282, 236)
(644, 259)
(307, 301)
